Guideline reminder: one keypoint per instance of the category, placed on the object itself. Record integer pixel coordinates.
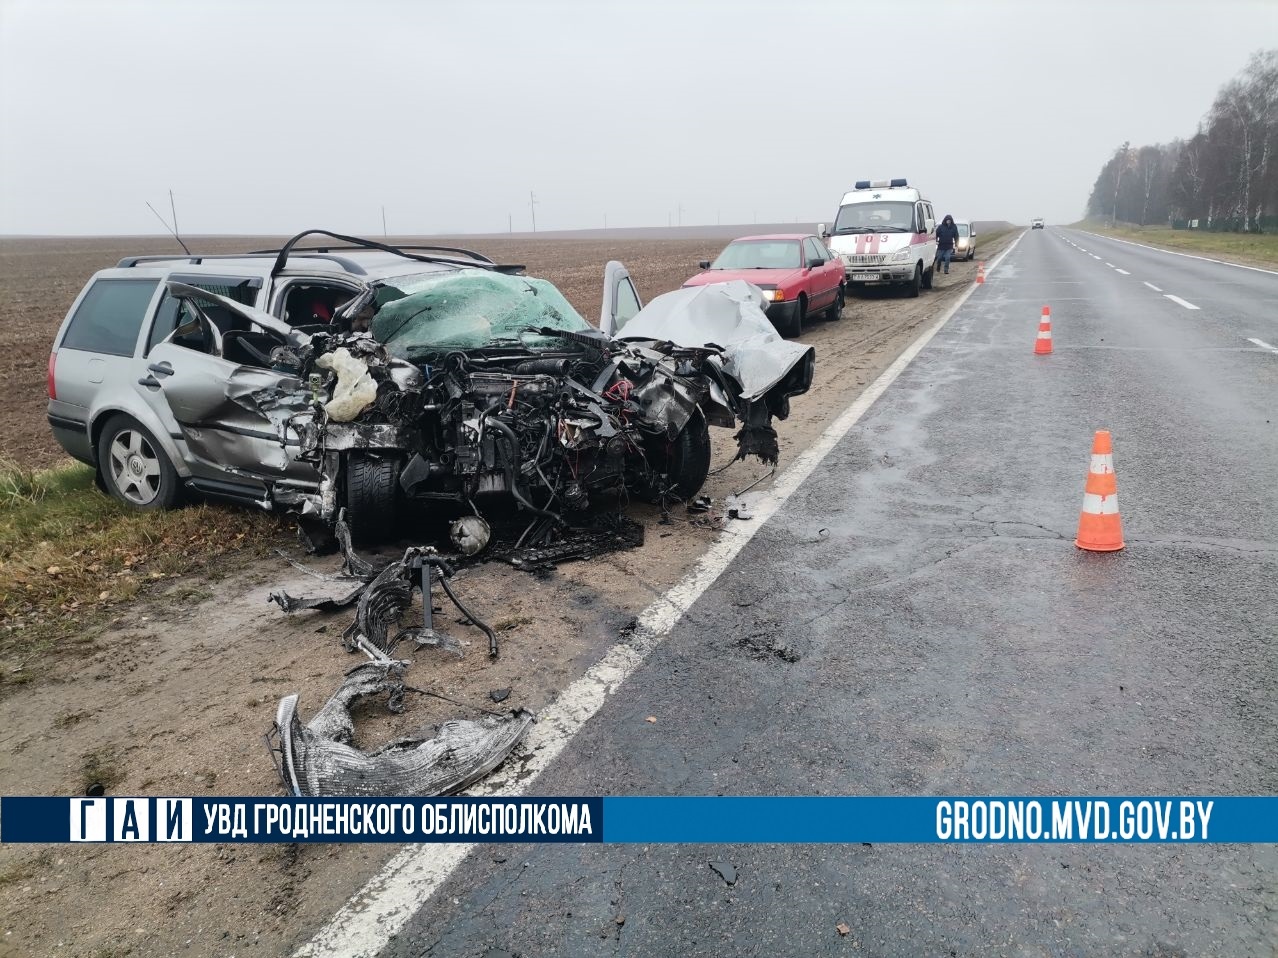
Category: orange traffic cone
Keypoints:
(1100, 528)
(1043, 345)
(980, 272)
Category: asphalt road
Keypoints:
(951, 640)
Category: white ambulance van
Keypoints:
(883, 233)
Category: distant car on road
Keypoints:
(1036, 223)
(799, 276)
(965, 248)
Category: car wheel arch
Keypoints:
(147, 419)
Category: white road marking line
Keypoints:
(1205, 259)
(1094, 256)
(1264, 345)
(1111, 266)
(1180, 302)
(1123, 271)
(379, 910)
(1152, 286)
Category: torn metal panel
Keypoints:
(318, 759)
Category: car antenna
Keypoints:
(172, 229)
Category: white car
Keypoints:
(1036, 223)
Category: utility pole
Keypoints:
(510, 222)
(383, 222)
(532, 207)
(605, 221)
(681, 212)
(173, 210)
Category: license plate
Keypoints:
(865, 277)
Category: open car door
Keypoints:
(620, 299)
(216, 373)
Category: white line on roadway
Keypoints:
(1111, 266)
(1205, 259)
(1123, 271)
(1152, 286)
(1180, 302)
(378, 911)
(1264, 345)
(1094, 256)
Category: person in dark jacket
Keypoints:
(946, 238)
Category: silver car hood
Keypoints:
(729, 315)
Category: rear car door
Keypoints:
(96, 356)
(213, 374)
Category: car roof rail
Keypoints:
(463, 257)
(471, 258)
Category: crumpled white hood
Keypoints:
(729, 315)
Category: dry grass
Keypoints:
(69, 554)
(1255, 249)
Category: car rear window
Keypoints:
(109, 317)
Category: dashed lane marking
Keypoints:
(1264, 345)
(1180, 302)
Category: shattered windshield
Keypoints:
(468, 309)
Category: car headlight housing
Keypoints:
(774, 295)
(902, 254)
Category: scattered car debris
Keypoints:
(499, 695)
(317, 759)
(725, 871)
(842, 929)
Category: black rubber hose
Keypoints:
(475, 620)
(512, 466)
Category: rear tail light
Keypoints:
(53, 385)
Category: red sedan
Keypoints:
(800, 277)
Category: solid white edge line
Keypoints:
(1264, 345)
(377, 912)
(1152, 286)
(1180, 302)
(1205, 259)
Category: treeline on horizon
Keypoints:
(1225, 176)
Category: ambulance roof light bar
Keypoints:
(880, 184)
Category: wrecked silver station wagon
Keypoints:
(354, 377)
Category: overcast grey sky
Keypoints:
(269, 117)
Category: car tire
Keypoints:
(836, 310)
(372, 493)
(134, 468)
(928, 275)
(917, 283)
(685, 461)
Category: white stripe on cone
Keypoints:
(1100, 505)
(1102, 462)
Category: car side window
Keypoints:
(172, 313)
(812, 251)
(627, 302)
(110, 316)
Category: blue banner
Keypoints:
(1135, 819)
(729, 820)
(175, 819)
